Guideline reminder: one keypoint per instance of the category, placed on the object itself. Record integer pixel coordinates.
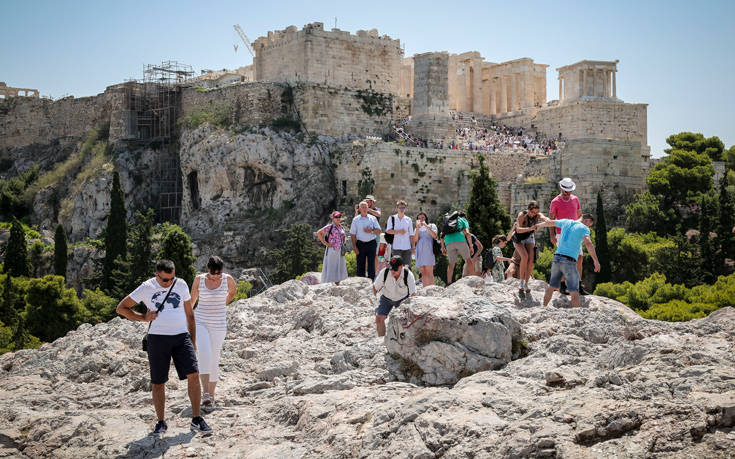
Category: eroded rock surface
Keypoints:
(304, 376)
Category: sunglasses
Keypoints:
(163, 279)
(401, 207)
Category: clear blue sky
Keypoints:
(676, 56)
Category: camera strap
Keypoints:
(160, 305)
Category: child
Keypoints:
(496, 266)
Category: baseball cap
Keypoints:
(337, 213)
(567, 184)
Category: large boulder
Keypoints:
(439, 340)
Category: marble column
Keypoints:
(493, 88)
(606, 83)
(614, 89)
(512, 93)
(582, 82)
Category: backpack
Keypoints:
(389, 237)
(450, 223)
(405, 276)
(437, 247)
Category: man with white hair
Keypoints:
(564, 206)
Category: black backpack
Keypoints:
(436, 246)
(405, 276)
(450, 223)
(389, 237)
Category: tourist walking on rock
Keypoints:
(332, 236)
(496, 260)
(456, 241)
(171, 335)
(524, 242)
(401, 227)
(396, 284)
(573, 233)
(214, 290)
(475, 260)
(566, 205)
(423, 239)
(364, 232)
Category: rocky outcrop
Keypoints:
(239, 188)
(302, 375)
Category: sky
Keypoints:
(676, 56)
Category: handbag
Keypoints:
(160, 306)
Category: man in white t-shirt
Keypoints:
(396, 284)
(171, 334)
(401, 227)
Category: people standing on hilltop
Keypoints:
(364, 231)
(496, 260)
(400, 227)
(423, 239)
(214, 290)
(456, 241)
(171, 335)
(525, 243)
(565, 258)
(566, 205)
(332, 236)
(396, 284)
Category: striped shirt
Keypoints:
(212, 310)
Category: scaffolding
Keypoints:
(151, 112)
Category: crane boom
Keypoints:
(245, 39)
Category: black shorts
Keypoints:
(161, 348)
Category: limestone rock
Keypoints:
(303, 375)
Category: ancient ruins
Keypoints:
(7, 92)
(370, 107)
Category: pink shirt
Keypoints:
(564, 209)
(335, 235)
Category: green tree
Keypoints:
(12, 203)
(601, 248)
(681, 177)
(16, 255)
(60, 251)
(680, 263)
(487, 216)
(725, 223)
(176, 246)
(297, 254)
(100, 307)
(115, 233)
(51, 308)
(729, 157)
(8, 303)
(689, 141)
(141, 247)
(645, 214)
(707, 220)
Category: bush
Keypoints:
(51, 308)
(243, 290)
(216, 114)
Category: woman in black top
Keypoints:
(524, 242)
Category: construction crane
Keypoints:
(245, 40)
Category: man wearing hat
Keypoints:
(566, 206)
(372, 210)
(397, 283)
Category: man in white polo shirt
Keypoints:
(401, 227)
(396, 285)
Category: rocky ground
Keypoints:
(304, 376)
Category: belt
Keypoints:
(567, 257)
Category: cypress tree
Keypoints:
(7, 303)
(141, 256)
(176, 246)
(707, 218)
(115, 233)
(601, 248)
(60, 251)
(297, 254)
(725, 224)
(16, 255)
(486, 214)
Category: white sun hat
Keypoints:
(567, 184)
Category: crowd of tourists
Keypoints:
(193, 337)
(495, 138)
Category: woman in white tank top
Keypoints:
(214, 290)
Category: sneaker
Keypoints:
(206, 400)
(160, 428)
(582, 291)
(563, 289)
(199, 425)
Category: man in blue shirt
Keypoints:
(363, 232)
(573, 233)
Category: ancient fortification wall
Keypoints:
(428, 179)
(250, 104)
(334, 58)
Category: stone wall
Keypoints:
(250, 104)
(428, 179)
(333, 58)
